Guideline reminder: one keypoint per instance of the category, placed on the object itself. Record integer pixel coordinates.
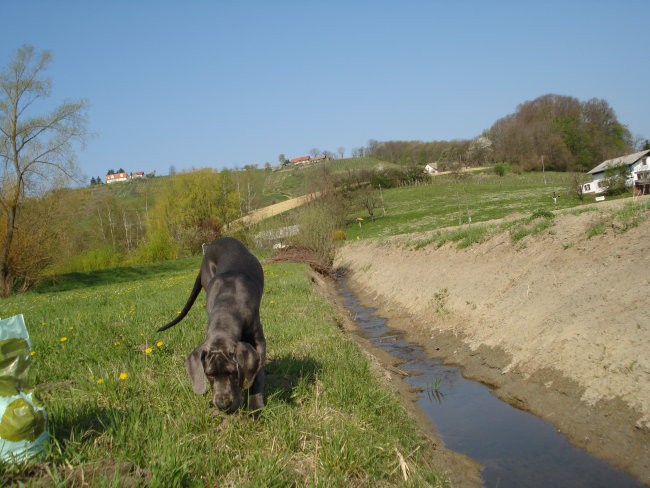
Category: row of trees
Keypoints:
(45, 225)
(554, 131)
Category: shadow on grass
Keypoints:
(285, 374)
(73, 281)
(89, 422)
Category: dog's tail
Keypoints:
(190, 301)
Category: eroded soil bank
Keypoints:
(557, 323)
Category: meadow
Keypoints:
(452, 200)
(122, 413)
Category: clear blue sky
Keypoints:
(228, 83)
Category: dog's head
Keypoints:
(229, 366)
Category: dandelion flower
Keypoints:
(124, 376)
(63, 339)
(116, 343)
(100, 381)
(33, 353)
(148, 350)
(159, 343)
(71, 328)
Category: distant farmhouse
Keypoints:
(307, 159)
(638, 173)
(431, 168)
(123, 176)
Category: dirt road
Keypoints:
(275, 209)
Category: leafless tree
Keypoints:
(36, 151)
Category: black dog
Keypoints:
(233, 354)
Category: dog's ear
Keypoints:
(194, 368)
(249, 363)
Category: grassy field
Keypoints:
(450, 201)
(122, 413)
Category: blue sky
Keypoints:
(228, 83)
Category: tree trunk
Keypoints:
(6, 280)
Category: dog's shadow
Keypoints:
(286, 373)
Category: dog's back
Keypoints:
(227, 255)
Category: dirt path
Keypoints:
(557, 323)
(275, 209)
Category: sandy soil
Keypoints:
(557, 323)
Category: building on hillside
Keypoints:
(124, 176)
(638, 169)
(117, 177)
(307, 159)
(431, 168)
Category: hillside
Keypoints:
(556, 321)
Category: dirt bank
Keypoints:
(557, 323)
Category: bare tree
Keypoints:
(36, 151)
(341, 151)
(313, 152)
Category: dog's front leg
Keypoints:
(256, 392)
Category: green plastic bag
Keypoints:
(23, 422)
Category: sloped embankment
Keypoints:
(557, 322)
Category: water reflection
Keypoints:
(516, 448)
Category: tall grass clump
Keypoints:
(539, 221)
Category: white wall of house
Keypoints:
(636, 170)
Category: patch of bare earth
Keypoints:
(557, 323)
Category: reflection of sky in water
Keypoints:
(516, 448)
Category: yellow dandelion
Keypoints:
(272, 301)
(33, 353)
(124, 376)
(116, 343)
(63, 339)
(71, 328)
(159, 343)
(148, 350)
(100, 381)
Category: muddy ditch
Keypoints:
(514, 447)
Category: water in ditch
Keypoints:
(515, 448)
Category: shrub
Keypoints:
(501, 169)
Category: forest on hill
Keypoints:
(560, 132)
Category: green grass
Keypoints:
(327, 420)
(450, 201)
(620, 220)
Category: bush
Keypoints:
(159, 247)
(102, 258)
(501, 169)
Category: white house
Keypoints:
(638, 167)
(117, 177)
(431, 168)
